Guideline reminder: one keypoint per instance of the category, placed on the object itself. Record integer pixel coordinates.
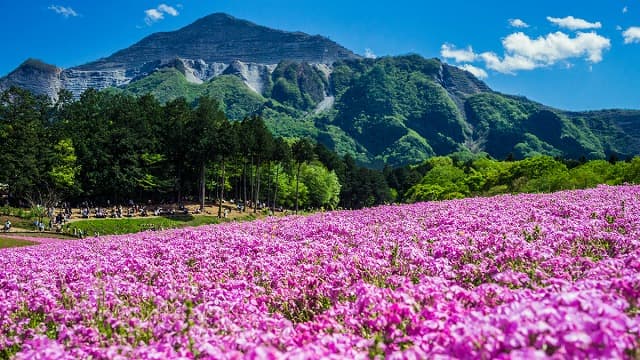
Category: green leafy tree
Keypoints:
(323, 186)
(65, 168)
(443, 181)
(207, 120)
(282, 155)
(176, 140)
(24, 146)
(302, 151)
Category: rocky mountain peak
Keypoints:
(36, 65)
(35, 76)
(215, 44)
(221, 38)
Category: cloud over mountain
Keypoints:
(476, 71)
(157, 14)
(449, 51)
(524, 52)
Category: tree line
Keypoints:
(108, 147)
(462, 175)
(114, 148)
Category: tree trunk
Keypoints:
(221, 191)
(203, 172)
(297, 183)
(179, 184)
(269, 184)
(275, 191)
(244, 184)
(252, 179)
(257, 197)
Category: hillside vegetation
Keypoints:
(403, 110)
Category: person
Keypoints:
(7, 226)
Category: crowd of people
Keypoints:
(58, 217)
(132, 210)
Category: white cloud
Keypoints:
(632, 35)
(573, 23)
(152, 15)
(449, 51)
(157, 14)
(508, 64)
(625, 9)
(62, 10)
(476, 71)
(369, 54)
(518, 23)
(168, 9)
(525, 53)
(618, 27)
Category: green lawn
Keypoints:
(10, 243)
(128, 226)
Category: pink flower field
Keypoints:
(526, 276)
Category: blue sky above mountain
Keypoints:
(571, 54)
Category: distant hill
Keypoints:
(392, 110)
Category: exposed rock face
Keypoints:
(214, 45)
(77, 81)
(35, 76)
(460, 84)
(256, 76)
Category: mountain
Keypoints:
(391, 110)
(209, 47)
(221, 38)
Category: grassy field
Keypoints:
(128, 226)
(10, 243)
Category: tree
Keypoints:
(302, 151)
(208, 118)
(228, 145)
(23, 147)
(281, 154)
(260, 149)
(65, 168)
(323, 186)
(176, 139)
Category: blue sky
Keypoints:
(574, 55)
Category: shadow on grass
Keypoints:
(179, 218)
(6, 243)
(134, 225)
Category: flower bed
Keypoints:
(509, 276)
